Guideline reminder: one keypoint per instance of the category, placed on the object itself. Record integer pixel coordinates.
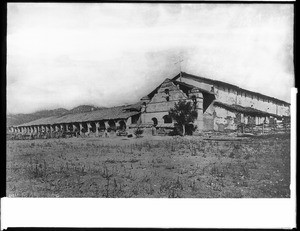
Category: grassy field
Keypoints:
(168, 167)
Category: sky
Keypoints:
(110, 54)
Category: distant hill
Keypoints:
(84, 108)
(17, 119)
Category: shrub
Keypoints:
(138, 132)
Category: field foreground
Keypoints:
(169, 167)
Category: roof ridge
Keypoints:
(229, 84)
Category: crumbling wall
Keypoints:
(224, 120)
(208, 118)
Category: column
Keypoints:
(97, 128)
(128, 122)
(52, 130)
(80, 128)
(88, 127)
(56, 127)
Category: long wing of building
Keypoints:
(220, 106)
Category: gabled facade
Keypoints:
(220, 106)
(156, 106)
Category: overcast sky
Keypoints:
(64, 55)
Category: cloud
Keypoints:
(110, 54)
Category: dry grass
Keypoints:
(170, 167)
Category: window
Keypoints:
(167, 91)
(167, 119)
(168, 98)
(135, 118)
(154, 121)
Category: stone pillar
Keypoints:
(56, 127)
(74, 127)
(89, 127)
(80, 128)
(61, 127)
(52, 129)
(106, 124)
(197, 100)
(97, 128)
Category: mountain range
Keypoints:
(17, 119)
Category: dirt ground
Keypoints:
(167, 167)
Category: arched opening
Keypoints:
(101, 126)
(93, 127)
(154, 121)
(122, 125)
(70, 127)
(112, 124)
(167, 92)
(76, 127)
(84, 127)
(63, 127)
(167, 119)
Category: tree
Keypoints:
(183, 113)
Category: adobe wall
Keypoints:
(224, 120)
(208, 118)
(248, 100)
(231, 96)
(160, 105)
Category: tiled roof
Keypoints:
(224, 84)
(121, 112)
(245, 110)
